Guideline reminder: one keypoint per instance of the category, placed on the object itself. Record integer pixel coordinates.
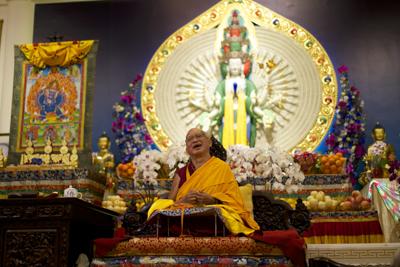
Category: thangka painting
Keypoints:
(53, 97)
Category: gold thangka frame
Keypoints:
(289, 65)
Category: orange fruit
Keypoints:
(339, 154)
(130, 171)
(124, 167)
(334, 169)
(324, 159)
(339, 163)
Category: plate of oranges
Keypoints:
(126, 170)
(332, 163)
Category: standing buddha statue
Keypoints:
(2, 159)
(103, 162)
(104, 159)
(379, 154)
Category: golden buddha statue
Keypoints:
(2, 159)
(379, 154)
(103, 160)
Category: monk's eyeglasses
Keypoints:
(190, 138)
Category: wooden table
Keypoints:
(50, 232)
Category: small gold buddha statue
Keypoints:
(2, 159)
(103, 160)
(379, 154)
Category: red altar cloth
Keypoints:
(344, 227)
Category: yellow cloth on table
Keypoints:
(216, 179)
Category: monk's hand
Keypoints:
(204, 198)
(190, 198)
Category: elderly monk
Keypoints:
(208, 181)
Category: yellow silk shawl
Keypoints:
(216, 179)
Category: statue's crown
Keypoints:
(235, 43)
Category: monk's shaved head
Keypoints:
(193, 131)
(198, 142)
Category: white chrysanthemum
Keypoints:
(147, 163)
(175, 157)
(247, 166)
(284, 163)
(268, 162)
(260, 169)
(278, 186)
(292, 188)
(267, 172)
(299, 177)
(251, 154)
(289, 181)
(262, 158)
(277, 172)
(170, 162)
(147, 175)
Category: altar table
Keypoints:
(50, 232)
(344, 227)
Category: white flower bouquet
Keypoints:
(153, 167)
(277, 168)
(176, 157)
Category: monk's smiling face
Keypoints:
(197, 142)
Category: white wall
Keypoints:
(17, 16)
